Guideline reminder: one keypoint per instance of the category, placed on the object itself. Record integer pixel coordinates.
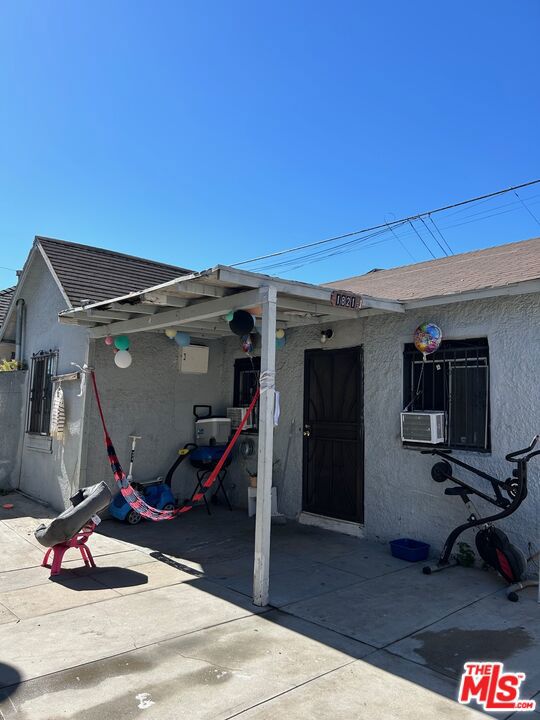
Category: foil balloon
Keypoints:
(247, 344)
(427, 338)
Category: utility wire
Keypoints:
(361, 243)
(400, 241)
(430, 231)
(527, 209)
(430, 251)
(440, 234)
(294, 263)
(393, 223)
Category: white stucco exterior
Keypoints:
(45, 468)
(154, 400)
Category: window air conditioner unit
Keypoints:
(236, 415)
(423, 427)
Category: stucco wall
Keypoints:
(400, 497)
(153, 399)
(12, 403)
(50, 468)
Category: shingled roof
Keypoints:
(5, 300)
(495, 267)
(90, 273)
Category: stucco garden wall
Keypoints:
(12, 403)
(50, 468)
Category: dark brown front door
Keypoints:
(334, 434)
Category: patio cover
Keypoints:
(198, 303)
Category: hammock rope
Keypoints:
(133, 497)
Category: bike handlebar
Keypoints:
(512, 457)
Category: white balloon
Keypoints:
(123, 359)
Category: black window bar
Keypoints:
(246, 378)
(453, 380)
(42, 370)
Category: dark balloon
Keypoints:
(242, 323)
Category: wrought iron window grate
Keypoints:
(42, 370)
(454, 380)
(246, 378)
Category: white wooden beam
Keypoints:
(161, 298)
(192, 287)
(135, 308)
(380, 304)
(315, 308)
(107, 315)
(247, 279)
(69, 320)
(180, 316)
(263, 519)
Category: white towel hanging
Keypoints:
(58, 415)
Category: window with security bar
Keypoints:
(453, 380)
(246, 378)
(42, 371)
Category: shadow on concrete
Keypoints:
(10, 680)
(111, 577)
(351, 595)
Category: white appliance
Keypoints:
(423, 427)
(236, 415)
(212, 431)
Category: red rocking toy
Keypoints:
(79, 540)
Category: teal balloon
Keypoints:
(229, 316)
(280, 343)
(121, 342)
(182, 339)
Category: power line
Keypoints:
(430, 231)
(294, 263)
(430, 251)
(393, 223)
(526, 208)
(445, 241)
(400, 241)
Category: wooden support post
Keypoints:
(263, 519)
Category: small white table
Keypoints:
(252, 501)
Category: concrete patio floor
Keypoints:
(165, 628)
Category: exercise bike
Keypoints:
(492, 543)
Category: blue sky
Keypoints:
(197, 133)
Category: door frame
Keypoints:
(360, 480)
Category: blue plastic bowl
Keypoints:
(411, 550)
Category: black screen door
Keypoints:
(334, 434)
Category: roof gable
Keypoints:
(5, 300)
(494, 267)
(88, 273)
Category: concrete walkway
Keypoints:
(164, 628)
